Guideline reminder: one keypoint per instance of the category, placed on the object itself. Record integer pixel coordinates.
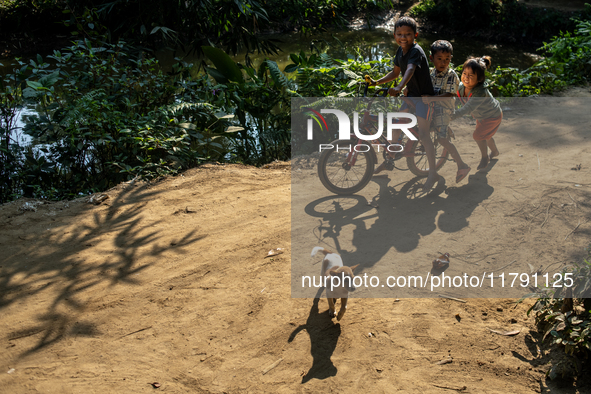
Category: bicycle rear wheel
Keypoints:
(345, 172)
(418, 163)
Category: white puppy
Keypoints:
(339, 278)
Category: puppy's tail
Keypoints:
(320, 249)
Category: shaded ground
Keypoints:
(168, 282)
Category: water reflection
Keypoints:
(375, 44)
(372, 45)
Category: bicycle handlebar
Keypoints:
(383, 91)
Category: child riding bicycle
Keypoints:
(410, 59)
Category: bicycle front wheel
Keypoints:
(418, 163)
(343, 170)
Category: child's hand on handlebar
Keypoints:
(394, 91)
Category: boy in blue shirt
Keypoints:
(412, 62)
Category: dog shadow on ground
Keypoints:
(324, 335)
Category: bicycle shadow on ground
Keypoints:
(324, 336)
(396, 218)
(336, 212)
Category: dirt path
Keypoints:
(168, 282)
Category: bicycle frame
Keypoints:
(346, 165)
(367, 124)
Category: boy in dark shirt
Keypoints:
(412, 62)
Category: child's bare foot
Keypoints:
(493, 155)
(483, 164)
(462, 173)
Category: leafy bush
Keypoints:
(507, 20)
(320, 75)
(104, 117)
(543, 77)
(233, 25)
(567, 321)
(568, 62)
(260, 101)
(107, 113)
(572, 52)
(11, 103)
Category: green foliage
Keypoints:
(224, 64)
(507, 20)
(11, 103)
(321, 75)
(107, 113)
(543, 77)
(233, 25)
(28, 16)
(572, 51)
(564, 325)
(103, 117)
(261, 105)
(568, 62)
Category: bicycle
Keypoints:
(348, 166)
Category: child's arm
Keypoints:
(391, 76)
(427, 99)
(469, 107)
(410, 70)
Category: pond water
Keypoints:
(372, 45)
(375, 44)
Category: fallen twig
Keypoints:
(452, 298)
(551, 265)
(26, 333)
(270, 367)
(505, 266)
(506, 333)
(135, 332)
(455, 256)
(574, 229)
(547, 210)
(582, 184)
(516, 212)
(571, 197)
(448, 360)
(451, 388)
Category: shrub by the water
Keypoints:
(104, 117)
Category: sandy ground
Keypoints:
(169, 282)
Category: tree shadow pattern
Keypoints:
(71, 279)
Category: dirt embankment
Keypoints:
(169, 283)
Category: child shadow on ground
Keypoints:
(462, 201)
(324, 335)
